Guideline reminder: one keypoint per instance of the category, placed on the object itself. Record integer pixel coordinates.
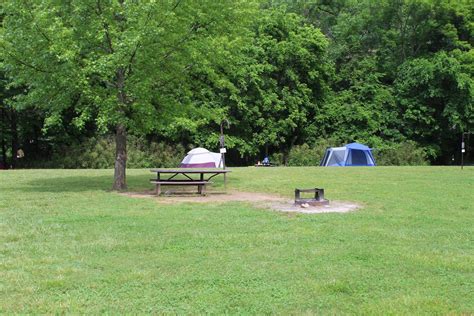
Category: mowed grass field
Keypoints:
(68, 245)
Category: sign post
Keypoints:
(463, 147)
(223, 150)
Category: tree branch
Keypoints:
(43, 34)
(106, 27)
(326, 11)
(138, 45)
(177, 46)
(26, 64)
(163, 84)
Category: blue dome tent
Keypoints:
(353, 154)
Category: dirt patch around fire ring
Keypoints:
(262, 200)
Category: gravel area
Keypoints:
(273, 202)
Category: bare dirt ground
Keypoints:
(273, 202)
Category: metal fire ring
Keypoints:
(316, 201)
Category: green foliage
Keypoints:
(402, 154)
(366, 110)
(144, 154)
(269, 88)
(111, 60)
(403, 71)
(306, 155)
(436, 96)
(303, 155)
(277, 159)
(287, 83)
(406, 153)
(121, 64)
(282, 72)
(98, 153)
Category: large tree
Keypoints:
(436, 98)
(403, 70)
(115, 61)
(270, 88)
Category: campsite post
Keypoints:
(223, 149)
(463, 147)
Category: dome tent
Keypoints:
(353, 154)
(201, 158)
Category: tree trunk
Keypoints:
(4, 143)
(287, 150)
(120, 183)
(4, 153)
(14, 144)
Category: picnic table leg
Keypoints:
(201, 178)
(203, 189)
(158, 186)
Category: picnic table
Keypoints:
(199, 177)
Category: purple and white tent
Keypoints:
(201, 158)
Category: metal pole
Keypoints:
(463, 146)
(222, 144)
(225, 174)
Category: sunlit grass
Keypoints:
(68, 244)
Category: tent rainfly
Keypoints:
(353, 154)
(201, 158)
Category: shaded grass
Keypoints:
(67, 244)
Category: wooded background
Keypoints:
(81, 80)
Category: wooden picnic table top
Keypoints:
(189, 170)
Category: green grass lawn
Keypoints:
(68, 245)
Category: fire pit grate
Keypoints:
(317, 200)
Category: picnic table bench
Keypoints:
(199, 177)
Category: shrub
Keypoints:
(399, 154)
(303, 155)
(306, 155)
(143, 154)
(99, 153)
(277, 159)
(407, 153)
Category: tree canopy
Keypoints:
(283, 73)
(113, 61)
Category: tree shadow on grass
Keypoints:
(82, 184)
